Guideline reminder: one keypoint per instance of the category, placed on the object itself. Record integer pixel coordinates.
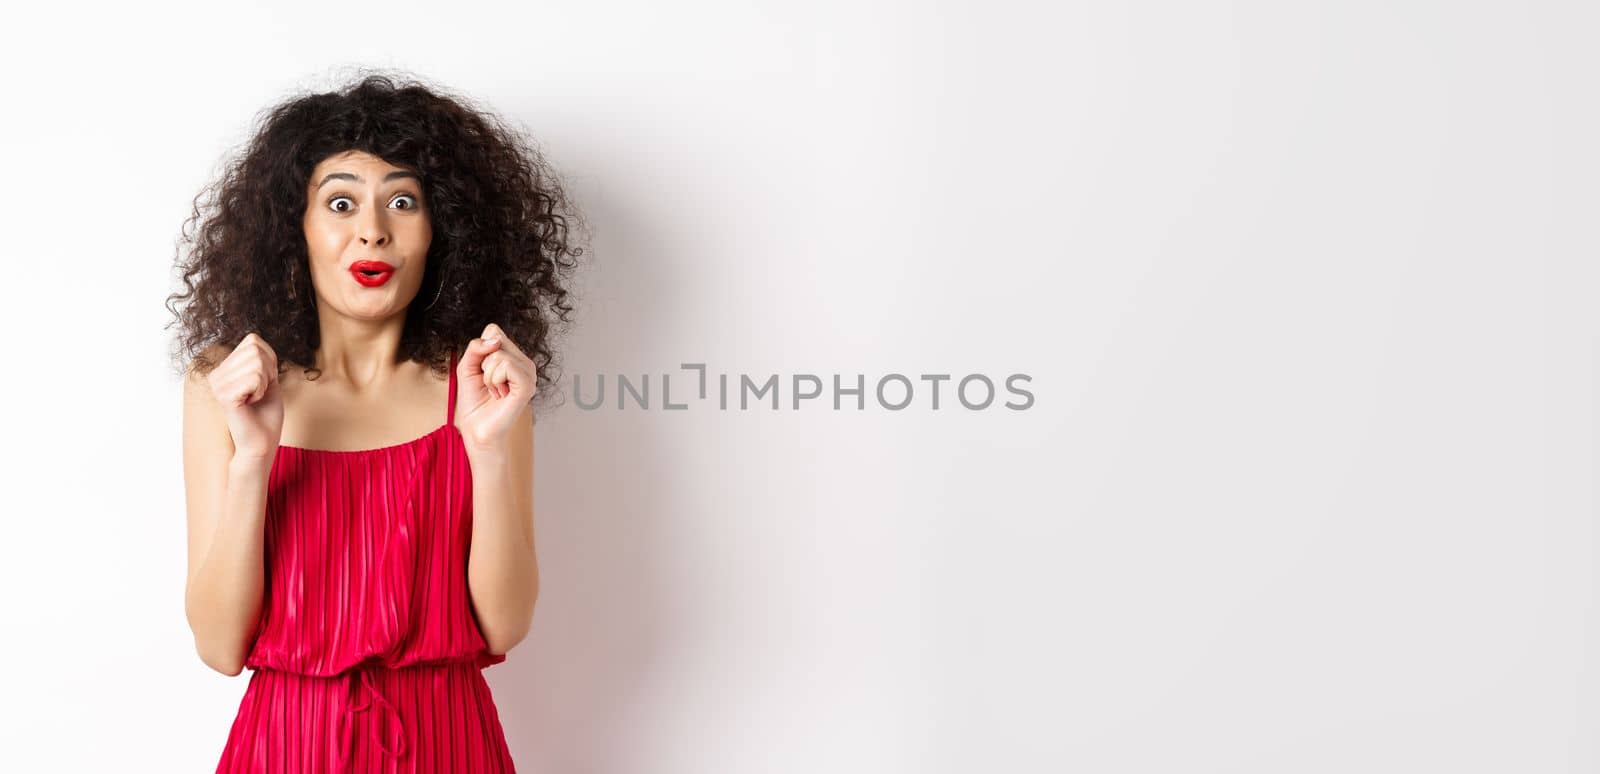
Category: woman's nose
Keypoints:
(374, 231)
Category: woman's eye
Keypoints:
(411, 202)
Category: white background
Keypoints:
(1305, 291)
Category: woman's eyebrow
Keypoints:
(357, 178)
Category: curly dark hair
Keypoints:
(501, 225)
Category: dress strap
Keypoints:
(450, 407)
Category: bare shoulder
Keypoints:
(203, 423)
(215, 353)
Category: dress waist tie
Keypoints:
(362, 685)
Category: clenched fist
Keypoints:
(496, 382)
(245, 385)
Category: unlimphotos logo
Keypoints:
(893, 391)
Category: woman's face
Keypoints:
(367, 232)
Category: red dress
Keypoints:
(368, 656)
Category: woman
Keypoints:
(370, 307)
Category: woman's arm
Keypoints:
(502, 568)
(226, 495)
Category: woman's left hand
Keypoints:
(494, 382)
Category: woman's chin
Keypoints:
(372, 311)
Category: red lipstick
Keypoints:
(371, 273)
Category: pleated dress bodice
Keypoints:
(366, 557)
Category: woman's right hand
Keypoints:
(245, 384)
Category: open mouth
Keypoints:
(371, 273)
